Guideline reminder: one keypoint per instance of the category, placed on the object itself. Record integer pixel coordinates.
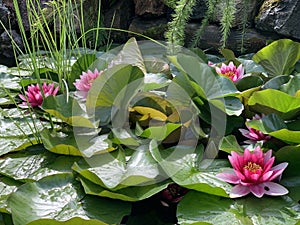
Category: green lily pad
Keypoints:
(229, 144)
(185, 168)
(132, 193)
(112, 91)
(9, 81)
(35, 164)
(273, 101)
(59, 199)
(115, 173)
(68, 110)
(76, 143)
(280, 57)
(200, 208)
(7, 186)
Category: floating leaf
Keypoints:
(59, 199)
(279, 57)
(150, 112)
(115, 173)
(183, 166)
(7, 186)
(212, 85)
(76, 143)
(292, 86)
(200, 208)
(274, 101)
(229, 144)
(9, 81)
(113, 90)
(132, 193)
(34, 165)
(67, 109)
(276, 82)
(11, 144)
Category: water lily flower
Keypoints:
(34, 95)
(253, 172)
(83, 85)
(230, 71)
(253, 134)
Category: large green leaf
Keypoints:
(67, 109)
(159, 133)
(274, 101)
(76, 143)
(212, 86)
(11, 144)
(20, 127)
(251, 67)
(279, 57)
(276, 127)
(35, 164)
(129, 54)
(199, 208)
(249, 82)
(229, 144)
(7, 186)
(292, 86)
(113, 90)
(276, 82)
(9, 82)
(183, 165)
(132, 193)
(60, 200)
(115, 173)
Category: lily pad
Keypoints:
(59, 199)
(200, 208)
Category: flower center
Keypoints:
(253, 167)
(229, 74)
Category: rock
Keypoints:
(6, 48)
(4, 16)
(119, 16)
(253, 41)
(151, 28)
(149, 8)
(249, 6)
(199, 10)
(281, 17)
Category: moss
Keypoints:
(268, 5)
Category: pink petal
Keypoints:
(258, 190)
(267, 156)
(269, 164)
(277, 170)
(274, 189)
(266, 176)
(23, 97)
(229, 176)
(239, 191)
(218, 70)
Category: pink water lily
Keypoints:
(83, 85)
(253, 134)
(253, 172)
(230, 71)
(34, 95)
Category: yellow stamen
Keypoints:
(253, 167)
(229, 74)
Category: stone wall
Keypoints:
(267, 20)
